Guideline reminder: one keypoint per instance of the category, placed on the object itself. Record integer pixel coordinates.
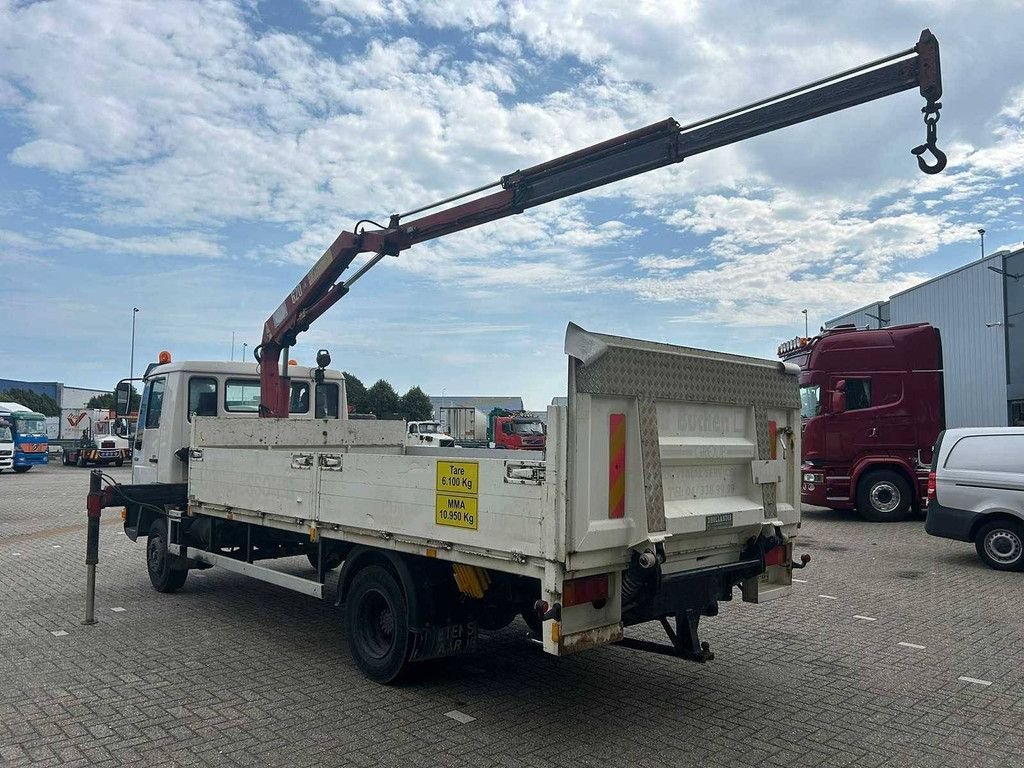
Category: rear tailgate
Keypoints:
(693, 451)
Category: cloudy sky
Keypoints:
(194, 158)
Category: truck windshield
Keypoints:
(430, 428)
(810, 397)
(528, 428)
(31, 426)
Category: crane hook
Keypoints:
(931, 119)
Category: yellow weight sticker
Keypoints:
(456, 511)
(457, 477)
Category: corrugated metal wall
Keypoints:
(959, 304)
(865, 317)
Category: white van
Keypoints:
(976, 492)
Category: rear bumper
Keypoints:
(949, 523)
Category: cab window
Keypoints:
(299, 401)
(202, 396)
(242, 396)
(154, 404)
(858, 394)
(326, 401)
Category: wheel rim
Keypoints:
(155, 554)
(885, 497)
(376, 624)
(1003, 546)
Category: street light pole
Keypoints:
(131, 372)
(982, 233)
(806, 330)
(245, 346)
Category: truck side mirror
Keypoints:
(839, 397)
(122, 398)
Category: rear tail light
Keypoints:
(931, 486)
(775, 556)
(586, 590)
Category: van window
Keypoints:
(202, 396)
(858, 394)
(988, 453)
(154, 404)
(326, 401)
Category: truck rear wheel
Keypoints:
(884, 496)
(159, 560)
(22, 469)
(377, 623)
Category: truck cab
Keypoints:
(427, 434)
(28, 428)
(176, 391)
(871, 409)
(6, 445)
(516, 431)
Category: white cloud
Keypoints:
(54, 155)
(166, 244)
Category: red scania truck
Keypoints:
(871, 407)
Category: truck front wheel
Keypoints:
(884, 496)
(377, 623)
(159, 560)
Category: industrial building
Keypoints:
(65, 396)
(979, 311)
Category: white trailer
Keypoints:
(669, 480)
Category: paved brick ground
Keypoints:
(234, 672)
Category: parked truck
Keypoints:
(427, 433)
(28, 428)
(630, 516)
(670, 479)
(515, 431)
(95, 437)
(6, 444)
(872, 408)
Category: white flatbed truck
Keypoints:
(668, 480)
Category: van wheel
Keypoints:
(884, 496)
(377, 623)
(1000, 545)
(159, 560)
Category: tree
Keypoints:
(382, 400)
(355, 391)
(43, 404)
(107, 402)
(415, 405)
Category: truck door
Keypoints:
(146, 449)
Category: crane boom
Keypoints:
(639, 151)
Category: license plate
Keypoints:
(721, 520)
(108, 454)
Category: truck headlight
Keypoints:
(814, 477)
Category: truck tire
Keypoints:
(158, 560)
(884, 496)
(377, 623)
(119, 462)
(19, 470)
(332, 561)
(1000, 545)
